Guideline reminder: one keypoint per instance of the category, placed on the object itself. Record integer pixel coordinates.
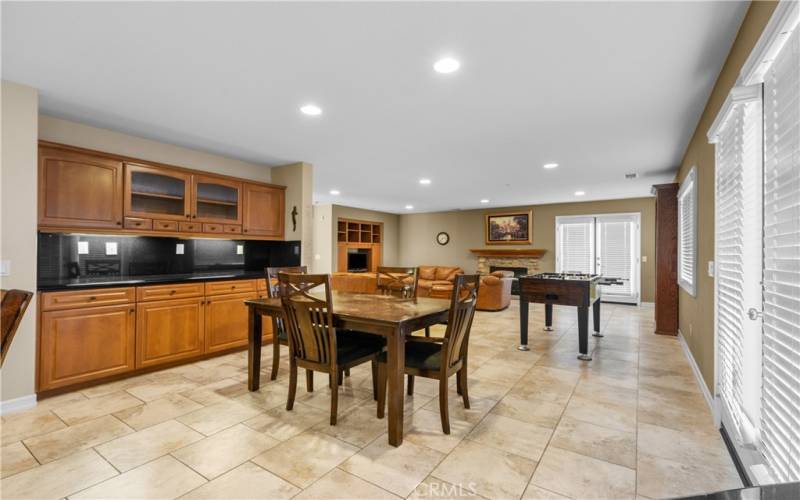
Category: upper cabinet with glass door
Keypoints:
(157, 193)
(216, 199)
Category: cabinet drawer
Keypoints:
(191, 227)
(213, 228)
(136, 223)
(232, 228)
(227, 287)
(53, 301)
(165, 225)
(262, 285)
(161, 292)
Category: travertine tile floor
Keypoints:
(631, 423)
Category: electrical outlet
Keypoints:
(239, 249)
(111, 248)
(710, 268)
(83, 247)
(179, 248)
(644, 258)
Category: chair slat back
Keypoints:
(462, 310)
(271, 274)
(397, 281)
(309, 318)
(14, 304)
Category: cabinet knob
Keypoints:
(131, 310)
(194, 216)
(119, 223)
(92, 298)
(187, 216)
(245, 230)
(172, 292)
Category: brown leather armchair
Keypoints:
(494, 294)
(437, 281)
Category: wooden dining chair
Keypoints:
(14, 304)
(314, 343)
(279, 336)
(397, 281)
(440, 358)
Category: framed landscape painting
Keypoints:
(513, 228)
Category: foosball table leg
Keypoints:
(548, 317)
(596, 319)
(523, 325)
(583, 334)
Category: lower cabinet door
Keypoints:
(79, 345)
(169, 330)
(227, 321)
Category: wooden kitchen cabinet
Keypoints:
(169, 330)
(78, 189)
(157, 193)
(215, 199)
(82, 344)
(263, 210)
(226, 321)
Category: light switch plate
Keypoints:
(5, 267)
(83, 247)
(239, 249)
(644, 258)
(711, 268)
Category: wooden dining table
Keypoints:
(390, 317)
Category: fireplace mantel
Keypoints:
(534, 253)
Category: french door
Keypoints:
(602, 244)
(757, 247)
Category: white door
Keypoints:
(618, 256)
(602, 244)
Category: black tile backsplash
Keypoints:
(61, 256)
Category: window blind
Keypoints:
(738, 265)
(576, 246)
(687, 232)
(780, 426)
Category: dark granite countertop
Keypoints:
(48, 285)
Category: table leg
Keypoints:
(596, 319)
(254, 350)
(583, 333)
(396, 353)
(523, 324)
(548, 317)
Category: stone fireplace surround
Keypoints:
(528, 258)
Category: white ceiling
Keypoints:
(601, 88)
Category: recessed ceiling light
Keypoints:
(446, 65)
(550, 165)
(334, 192)
(425, 182)
(484, 200)
(580, 193)
(409, 207)
(311, 110)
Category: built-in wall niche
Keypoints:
(358, 236)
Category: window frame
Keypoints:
(688, 183)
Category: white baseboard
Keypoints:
(697, 374)
(17, 404)
(647, 304)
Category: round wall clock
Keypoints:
(443, 238)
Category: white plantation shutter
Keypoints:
(687, 232)
(738, 260)
(576, 245)
(616, 254)
(780, 426)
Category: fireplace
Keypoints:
(518, 271)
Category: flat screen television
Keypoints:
(357, 262)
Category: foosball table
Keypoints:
(568, 289)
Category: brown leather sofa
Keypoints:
(494, 294)
(437, 281)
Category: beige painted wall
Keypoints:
(20, 111)
(390, 231)
(298, 179)
(417, 241)
(696, 314)
(322, 240)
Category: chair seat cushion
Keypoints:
(421, 355)
(352, 345)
